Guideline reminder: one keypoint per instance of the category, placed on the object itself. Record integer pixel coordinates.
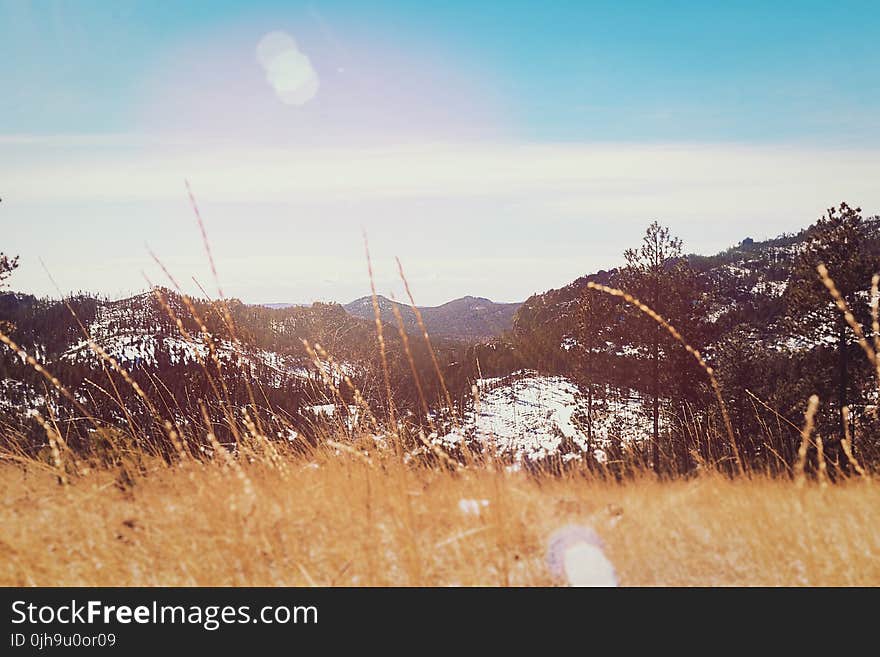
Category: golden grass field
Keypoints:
(333, 519)
(350, 512)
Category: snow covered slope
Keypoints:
(534, 416)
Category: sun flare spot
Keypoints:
(288, 70)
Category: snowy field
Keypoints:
(533, 416)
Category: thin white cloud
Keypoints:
(719, 181)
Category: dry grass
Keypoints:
(355, 512)
(337, 520)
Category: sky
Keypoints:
(498, 148)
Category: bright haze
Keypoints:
(498, 148)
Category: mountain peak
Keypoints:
(466, 317)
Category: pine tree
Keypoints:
(594, 323)
(658, 275)
(7, 266)
(837, 240)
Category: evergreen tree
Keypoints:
(594, 324)
(839, 240)
(658, 275)
(7, 266)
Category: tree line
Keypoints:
(771, 347)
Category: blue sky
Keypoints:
(501, 148)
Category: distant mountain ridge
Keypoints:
(468, 317)
(283, 306)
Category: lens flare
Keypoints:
(575, 556)
(288, 70)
